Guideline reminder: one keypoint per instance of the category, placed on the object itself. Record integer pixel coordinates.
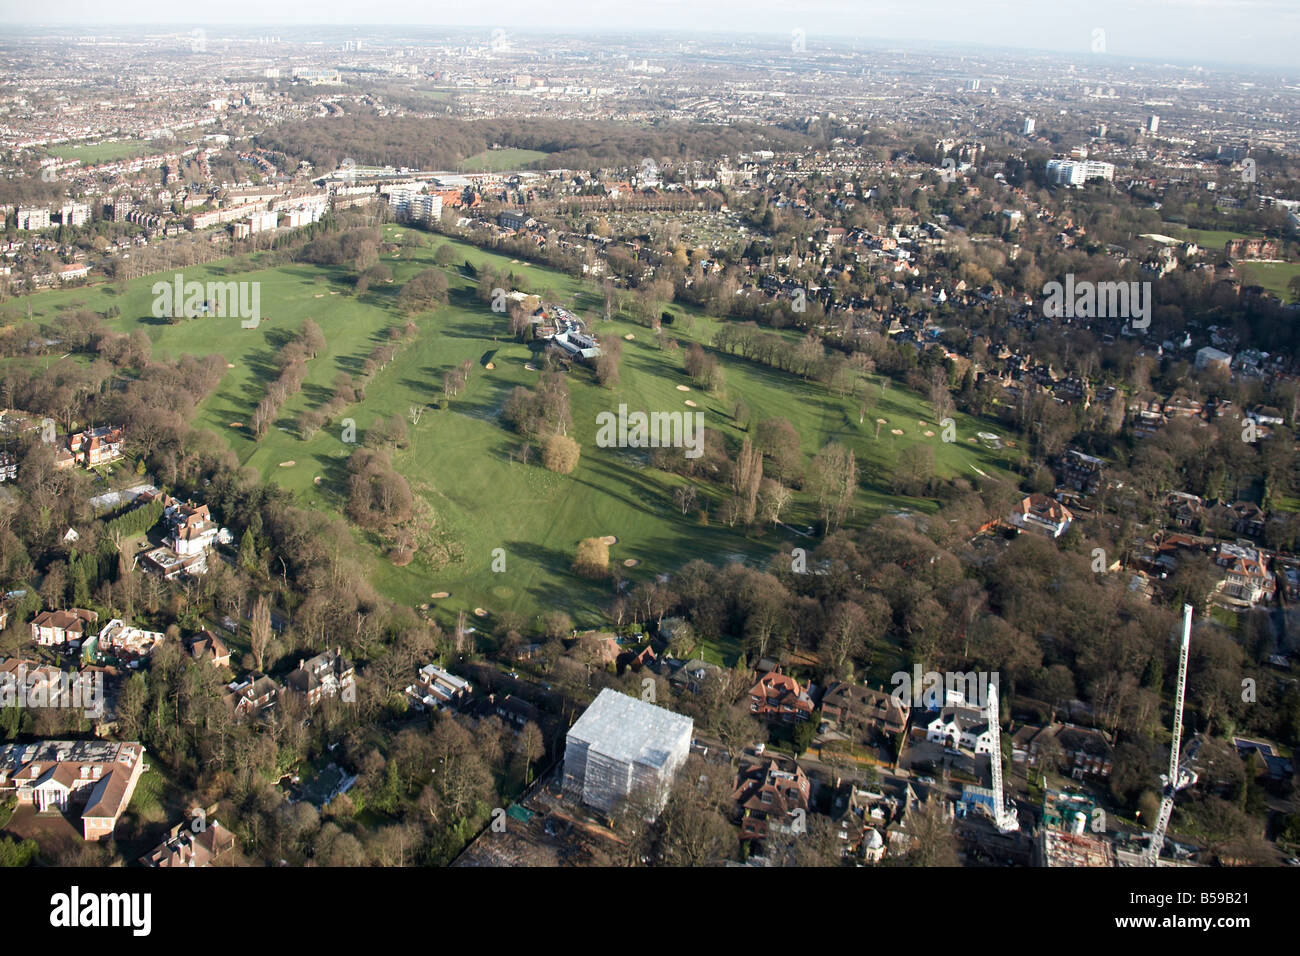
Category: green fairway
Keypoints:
(92, 154)
(459, 458)
(501, 160)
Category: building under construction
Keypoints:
(622, 746)
(1058, 848)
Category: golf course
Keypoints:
(459, 459)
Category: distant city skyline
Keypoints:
(1261, 33)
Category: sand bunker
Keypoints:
(288, 464)
(490, 366)
(928, 433)
(610, 539)
(690, 403)
(683, 388)
(895, 431)
(316, 480)
(631, 563)
(530, 366)
(439, 595)
(230, 365)
(319, 295)
(479, 612)
(882, 421)
(629, 336)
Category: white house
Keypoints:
(964, 727)
(1042, 514)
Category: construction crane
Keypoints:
(1179, 777)
(1004, 817)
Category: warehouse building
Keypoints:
(622, 746)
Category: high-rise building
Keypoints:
(74, 214)
(1074, 172)
(33, 217)
(624, 747)
(1029, 126)
(1153, 124)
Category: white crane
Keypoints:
(1004, 817)
(1178, 777)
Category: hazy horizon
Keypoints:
(1258, 33)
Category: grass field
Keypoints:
(1273, 276)
(501, 160)
(91, 154)
(1213, 239)
(459, 458)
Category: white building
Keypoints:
(74, 214)
(1030, 124)
(263, 221)
(623, 746)
(1075, 172)
(32, 217)
(961, 727)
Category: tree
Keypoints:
(834, 480)
(259, 631)
(529, 746)
(933, 841)
(560, 454)
(593, 558)
(747, 476)
(804, 733)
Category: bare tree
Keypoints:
(260, 631)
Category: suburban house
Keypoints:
(205, 644)
(190, 847)
(1247, 580)
(862, 712)
(56, 628)
(191, 533)
(771, 798)
(1043, 515)
(515, 711)
(435, 687)
(1078, 751)
(1080, 472)
(863, 815)
(693, 675)
(778, 696)
(328, 674)
(255, 695)
(96, 777)
(94, 446)
(119, 639)
(961, 727)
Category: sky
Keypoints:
(1250, 32)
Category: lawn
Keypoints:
(501, 160)
(1213, 239)
(92, 154)
(1273, 276)
(459, 458)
